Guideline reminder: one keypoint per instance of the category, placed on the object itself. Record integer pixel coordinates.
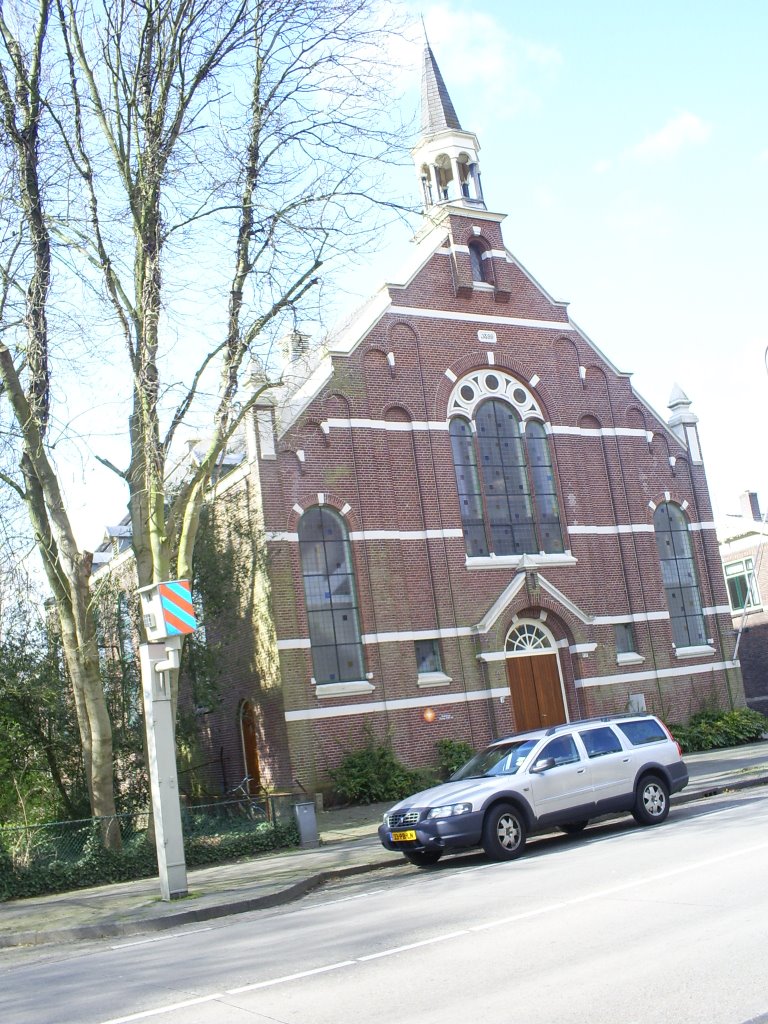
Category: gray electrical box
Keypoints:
(306, 819)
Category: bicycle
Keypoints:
(245, 803)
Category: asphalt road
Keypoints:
(620, 924)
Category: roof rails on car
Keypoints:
(599, 718)
(568, 725)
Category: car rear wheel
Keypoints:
(503, 832)
(422, 858)
(572, 827)
(651, 801)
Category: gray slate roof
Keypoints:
(437, 111)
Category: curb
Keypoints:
(719, 788)
(140, 926)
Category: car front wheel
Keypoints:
(651, 801)
(503, 832)
(422, 858)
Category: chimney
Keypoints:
(295, 347)
(750, 506)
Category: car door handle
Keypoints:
(625, 760)
(580, 771)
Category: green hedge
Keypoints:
(42, 873)
(710, 730)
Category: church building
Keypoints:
(470, 524)
(473, 524)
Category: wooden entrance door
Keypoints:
(249, 733)
(534, 682)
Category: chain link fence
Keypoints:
(36, 859)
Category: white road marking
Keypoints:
(411, 945)
(161, 938)
(288, 977)
(144, 1014)
(549, 908)
(345, 899)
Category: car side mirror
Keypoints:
(543, 765)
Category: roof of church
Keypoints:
(437, 111)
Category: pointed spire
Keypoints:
(445, 155)
(437, 112)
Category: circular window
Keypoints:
(519, 396)
(492, 382)
(467, 393)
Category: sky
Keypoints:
(628, 146)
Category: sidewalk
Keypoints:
(348, 846)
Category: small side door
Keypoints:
(562, 791)
(611, 766)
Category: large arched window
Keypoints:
(678, 572)
(503, 470)
(331, 597)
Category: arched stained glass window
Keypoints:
(468, 484)
(504, 474)
(678, 572)
(331, 597)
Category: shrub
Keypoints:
(710, 730)
(94, 865)
(372, 774)
(451, 755)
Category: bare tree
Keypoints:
(219, 153)
(25, 374)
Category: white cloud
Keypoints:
(602, 166)
(683, 130)
(474, 48)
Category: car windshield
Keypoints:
(500, 759)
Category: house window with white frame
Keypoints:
(742, 585)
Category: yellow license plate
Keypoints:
(409, 836)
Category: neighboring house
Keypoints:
(464, 521)
(743, 540)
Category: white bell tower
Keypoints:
(446, 156)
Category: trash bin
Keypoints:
(306, 819)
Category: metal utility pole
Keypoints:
(168, 615)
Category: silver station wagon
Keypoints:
(546, 778)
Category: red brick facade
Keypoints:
(373, 443)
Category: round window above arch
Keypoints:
(470, 390)
(526, 637)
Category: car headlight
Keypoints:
(449, 810)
